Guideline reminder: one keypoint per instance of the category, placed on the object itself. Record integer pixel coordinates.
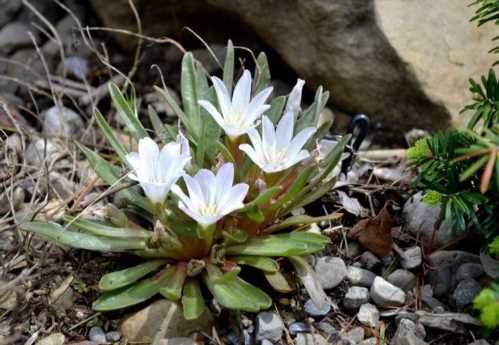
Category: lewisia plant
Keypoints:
(202, 200)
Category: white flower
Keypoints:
(276, 149)
(211, 197)
(294, 99)
(156, 170)
(240, 114)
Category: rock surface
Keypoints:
(403, 279)
(269, 325)
(53, 339)
(162, 319)
(330, 271)
(354, 48)
(386, 294)
(368, 315)
(355, 297)
(360, 276)
(309, 339)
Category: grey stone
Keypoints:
(403, 279)
(327, 328)
(266, 342)
(9, 10)
(355, 335)
(299, 327)
(162, 319)
(311, 309)
(369, 341)
(14, 36)
(360, 276)
(113, 336)
(96, 334)
(452, 322)
(269, 325)
(61, 185)
(412, 258)
(441, 258)
(429, 300)
(53, 339)
(330, 271)
(355, 297)
(310, 339)
(465, 292)
(441, 281)
(40, 150)
(406, 328)
(368, 315)
(369, 260)
(419, 219)
(469, 271)
(385, 294)
(16, 197)
(61, 122)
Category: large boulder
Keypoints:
(404, 63)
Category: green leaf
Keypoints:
(276, 108)
(236, 293)
(234, 236)
(260, 262)
(228, 276)
(309, 279)
(173, 288)
(128, 112)
(473, 168)
(262, 73)
(158, 126)
(290, 196)
(110, 136)
(110, 175)
(279, 282)
(99, 229)
(494, 246)
(176, 109)
(310, 117)
(289, 244)
(59, 234)
(136, 293)
(119, 279)
(301, 220)
(189, 94)
(229, 67)
(192, 300)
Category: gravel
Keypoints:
(269, 326)
(465, 292)
(403, 279)
(355, 297)
(385, 294)
(359, 276)
(330, 271)
(368, 315)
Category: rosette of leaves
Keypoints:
(179, 256)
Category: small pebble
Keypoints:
(369, 260)
(469, 270)
(412, 258)
(311, 309)
(96, 334)
(359, 276)
(355, 297)
(299, 327)
(113, 336)
(368, 315)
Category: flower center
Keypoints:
(236, 118)
(208, 210)
(276, 156)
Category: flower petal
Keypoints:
(284, 131)
(208, 183)
(214, 113)
(252, 154)
(300, 139)
(223, 96)
(268, 133)
(259, 100)
(242, 92)
(224, 180)
(133, 159)
(195, 192)
(233, 199)
(149, 158)
(156, 192)
(294, 98)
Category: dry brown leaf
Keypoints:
(375, 233)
